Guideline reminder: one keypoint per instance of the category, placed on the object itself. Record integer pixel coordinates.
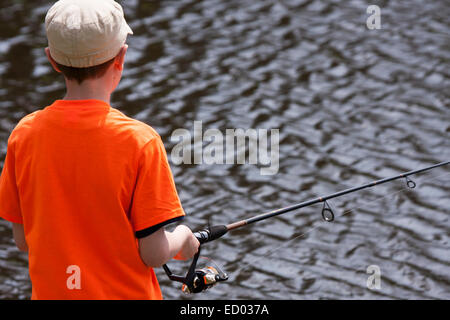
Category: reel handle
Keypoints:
(203, 236)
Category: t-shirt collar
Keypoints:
(80, 104)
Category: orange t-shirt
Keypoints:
(86, 181)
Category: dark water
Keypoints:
(351, 105)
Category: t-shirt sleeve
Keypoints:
(9, 195)
(155, 200)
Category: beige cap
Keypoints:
(85, 33)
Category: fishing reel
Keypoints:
(198, 280)
(204, 279)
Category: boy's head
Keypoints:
(85, 36)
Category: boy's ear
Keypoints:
(52, 62)
(120, 58)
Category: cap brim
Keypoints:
(127, 28)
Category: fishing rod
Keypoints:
(198, 280)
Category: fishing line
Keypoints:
(407, 187)
(213, 262)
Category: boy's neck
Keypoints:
(88, 89)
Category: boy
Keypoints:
(88, 190)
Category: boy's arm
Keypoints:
(161, 246)
(19, 236)
(155, 204)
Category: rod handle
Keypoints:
(210, 233)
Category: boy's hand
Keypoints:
(161, 246)
(190, 245)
